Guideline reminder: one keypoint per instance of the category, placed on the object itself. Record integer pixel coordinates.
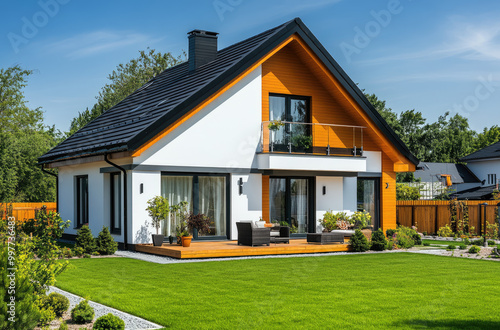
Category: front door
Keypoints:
(290, 202)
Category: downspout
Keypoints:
(125, 206)
(57, 186)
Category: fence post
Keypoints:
(482, 219)
(413, 215)
(436, 224)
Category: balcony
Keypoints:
(311, 138)
(341, 147)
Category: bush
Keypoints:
(491, 243)
(359, 242)
(109, 322)
(82, 313)
(105, 242)
(46, 315)
(77, 251)
(466, 241)
(390, 232)
(417, 239)
(462, 246)
(86, 255)
(66, 252)
(450, 247)
(426, 244)
(478, 242)
(405, 237)
(445, 231)
(474, 249)
(330, 219)
(85, 239)
(379, 242)
(63, 326)
(57, 302)
(424, 233)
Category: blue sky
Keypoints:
(432, 56)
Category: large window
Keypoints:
(115, 203)
(289, 201)
(492, 179)
(82, 200)
(204, 193)
(295, 134)
(368, 198)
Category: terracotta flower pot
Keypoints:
(186, 241)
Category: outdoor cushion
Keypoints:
(345, 232)
(275, 233)
(260, 224)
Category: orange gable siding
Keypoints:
(265, 198)
(387, 195)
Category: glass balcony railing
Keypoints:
(311, 138)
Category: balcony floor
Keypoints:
(214, 249)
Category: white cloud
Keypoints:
(97, 42)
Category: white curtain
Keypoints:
(277, 193)
(212, 202)
(176, 189)
(299, 203)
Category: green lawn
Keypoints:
(398, 290)
(441, 243)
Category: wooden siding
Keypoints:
(429, 216)
(265, 198)
(387, 195)
(24, 211)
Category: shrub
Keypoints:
(379, 242)
(86, 255)
(105, 242)
(424, 233)
(478, 242)
(445, 231)
(405, 237)
(462, 246)
(200, 221)
(361, 219)
(492, 230)
(330, 219)
(66, 252)
(417, 239)
(390, 244)
(491, 242)
(109, 322)
(450, 247)
(390, 232)
(57, 302)
(46, 315)
(474, 249)
(85, 239)
(82, 313)
(78, 251)
(466, 241)
(63, 326)
(426, 244)
(359, 242)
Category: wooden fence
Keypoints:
(23, 211)
(429, 216)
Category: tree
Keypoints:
(23, 138)
(124, 80)
(487, 137)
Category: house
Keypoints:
(435, 178)
(269, 127)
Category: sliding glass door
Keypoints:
(289, 201)
(206, 194)
(368, 198)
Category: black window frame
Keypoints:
(113, 227)
(377, 182)
(492, 178)
(78, 201)
(195, 197)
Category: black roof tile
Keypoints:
(491, 151)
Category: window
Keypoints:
(295, 110)
(115, 203)
(204, 193)
(368, 198)
(82, 200)
(492, 179)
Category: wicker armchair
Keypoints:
(247, 235)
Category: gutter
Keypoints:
(57, 186)
(125, 206)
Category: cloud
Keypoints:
(97, 42)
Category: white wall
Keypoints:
(248, 205)
(333, 200)
(373, 161)
(140, 229)
(350, 194)
(484, 167)
(226, 133)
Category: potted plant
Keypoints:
(302, 142)
(199, 223)
(181, 231)
(362, 220)
(275, 125)
(158, 211)
(177, 212)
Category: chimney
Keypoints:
(202, 48)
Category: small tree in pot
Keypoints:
(200, 222)
(158, 210)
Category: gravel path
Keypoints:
(131, 322)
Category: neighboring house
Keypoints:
(199, 132)
(436, 178)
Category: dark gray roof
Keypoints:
(431, 172)
(174, 92)
(491, 151)
(477, 193)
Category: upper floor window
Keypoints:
(82, 200)
(492, 179)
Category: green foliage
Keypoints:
(491, 242)
(105, 244)
(124, 80)
(330, 219)
(63, 326)
(466, 241)
(405, 237)
(57, 302)
(23, 138)
(426, 244)
(390, 232)
(109, 322)
(478, 242)
(405, 192)
(47, 228)
(445, 231)
(85, 239)
(78, 251)
(302, 141)
(417, 239)
(82, 313)
(462, 246)
(474, 249)
(450, 247)
(361, 219)
(379, 242)
(492, 230)
(158, 210)
(275, 125)
(359, 242)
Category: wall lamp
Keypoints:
(387, 185)
(240, 186)
(324, 190)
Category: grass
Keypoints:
(442, 243)
(393, 290)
